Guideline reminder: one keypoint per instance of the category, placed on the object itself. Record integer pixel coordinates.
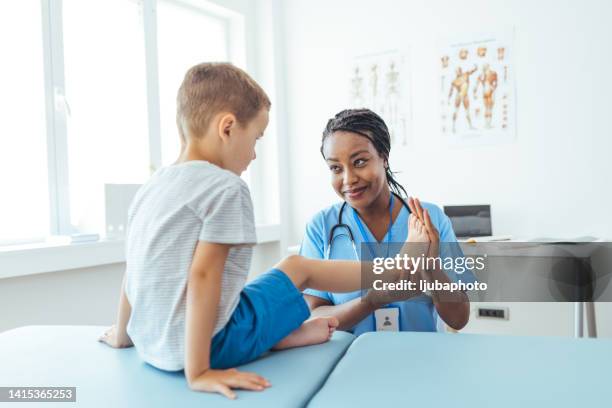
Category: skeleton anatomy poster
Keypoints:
(477, 92)
(381, 82)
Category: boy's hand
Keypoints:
(113, 338)
(222, 382)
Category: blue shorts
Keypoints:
(270, 308)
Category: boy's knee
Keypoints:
(290, 265)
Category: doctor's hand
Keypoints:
(423, 216)
(380, 298)
(416, 230)
(384, 296)
(222, 382)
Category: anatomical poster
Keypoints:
(477, 91)
(381, 82)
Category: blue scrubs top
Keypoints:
(416, 314)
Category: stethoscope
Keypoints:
(341, 225)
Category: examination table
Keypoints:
(374, 370)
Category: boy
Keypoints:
(183, 301)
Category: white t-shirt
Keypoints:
(178, 206)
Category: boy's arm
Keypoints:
(203, 294)
(116, 336)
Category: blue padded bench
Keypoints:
(377, 370)
(470, 370)
(71, 356)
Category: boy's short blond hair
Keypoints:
(213, 87)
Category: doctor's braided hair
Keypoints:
(368, 124)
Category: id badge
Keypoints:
(387, 319)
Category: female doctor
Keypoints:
(355, 146)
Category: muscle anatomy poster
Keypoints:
(477, 90)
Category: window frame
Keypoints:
(56, 110)
(57, 107)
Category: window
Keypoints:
(186, 37)
(24, 198)
(88, 99)
(105, 75)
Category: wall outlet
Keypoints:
(493, 312)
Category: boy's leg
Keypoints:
(313, 331)
(331, 276)
(337, 276)
(344, 276)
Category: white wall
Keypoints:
(552, 181)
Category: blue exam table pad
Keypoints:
(375, 370)
(469, 370)
(71, 356)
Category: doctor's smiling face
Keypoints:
(358, 172)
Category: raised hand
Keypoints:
(423, 215)
(417, 231)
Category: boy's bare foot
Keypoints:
(313, 331)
